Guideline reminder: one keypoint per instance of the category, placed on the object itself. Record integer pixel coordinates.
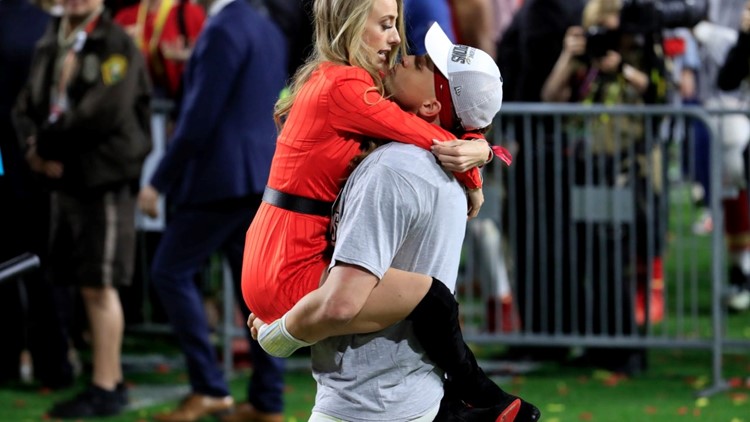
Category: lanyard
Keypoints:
(150, 47)
(66, 62)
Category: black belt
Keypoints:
(296, 203)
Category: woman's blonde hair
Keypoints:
(339, 28)
(596, 10)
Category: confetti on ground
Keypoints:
(562, 389)
(701, 402)
(650, 410)
(682, 411)
(555, 407)
(162, 368)
(586, 416)
(700, 382)
(738, 398)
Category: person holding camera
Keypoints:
(607, 61)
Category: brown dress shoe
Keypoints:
(196, 406)
(247, 413)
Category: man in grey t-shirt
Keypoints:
(412, 208)
(398, 208)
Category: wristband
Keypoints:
(276, 340)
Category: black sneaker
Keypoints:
(528, 413)
(94, 401)
(121, 389)
(517, 411)
(506, 408)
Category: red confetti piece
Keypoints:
(162, 368)
(739, 398)
(735, 382)
(696, 412)
(586, 416)
(682, 411)
(650, 410)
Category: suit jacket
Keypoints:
(21, 26)
(225, 136)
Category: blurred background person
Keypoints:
(605, 62)
(83, 121)
(732, 73)
(165, 31)
(474, 24)
(29, 310)
(526, 55)
(419, 15)
(213, 174)
(717, 35)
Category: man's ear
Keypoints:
(429, 109)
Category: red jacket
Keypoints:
(165, 74)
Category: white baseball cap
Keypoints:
(475, 82)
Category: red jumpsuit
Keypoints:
(284, 250)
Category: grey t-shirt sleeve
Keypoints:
(375, 212)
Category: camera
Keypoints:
(599, 40)
(645, 17)
(648, 16)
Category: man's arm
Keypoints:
(328, 310)
(324, 312)
(375, 217)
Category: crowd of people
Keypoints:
(331, 152)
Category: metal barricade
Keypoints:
(592, 214)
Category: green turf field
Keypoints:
(665, 393)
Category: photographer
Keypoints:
(609, 61)
(582, 71)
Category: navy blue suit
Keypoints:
(214, 172)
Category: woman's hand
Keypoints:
(476, 199)
(459, 155)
